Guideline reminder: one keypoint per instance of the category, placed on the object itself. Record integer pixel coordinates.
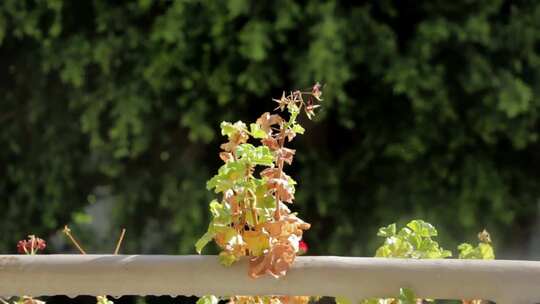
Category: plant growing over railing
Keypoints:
(252, 218)
(415, 241)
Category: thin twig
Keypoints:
(3, 301)
(67, 232)
(120, 239)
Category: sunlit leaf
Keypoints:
(342, 300)
(228, 129)
(257, 132)
(255, 155)
(220, 212)
(407, 296)
(227, 259)
(298, 129)
(256, 241)
(203, 241)
(422, 228)
(387, 231)
(208, 300)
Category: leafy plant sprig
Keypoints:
(415, 241)
(252, 218)
(482, 251)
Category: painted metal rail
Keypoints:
(356, 278)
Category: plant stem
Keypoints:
(67, 232)
(120, 239)
(252, 207)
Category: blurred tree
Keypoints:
(431, 111)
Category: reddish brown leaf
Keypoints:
(275, 262)
(267, 120)
(226, 156)
(271, 173)
(271, 143)
(281, 188)
(286, 155)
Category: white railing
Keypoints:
(355, 278)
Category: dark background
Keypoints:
(109, 115)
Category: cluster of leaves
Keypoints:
(482, 251)
(252, 217)
(415, 241)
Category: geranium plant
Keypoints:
(416, 241)
(252, 217)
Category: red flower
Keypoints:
(303, 247)
(31, 246)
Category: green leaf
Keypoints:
(466, 251)
(297, 128)
(227, 128)
(293, 109)
(383, 252)
(255, 155)
(486, 251)
(387, 231)
(395, 247)
(230, 129)
(407, 296)
(342, 300)
(483, 251)
(205, 239)
(445, 254)
(257, 132)
(227, 259)
(422, 228)
(256, 242)
(220, 212)
(227, 176)
(208, 300)
(101, 300)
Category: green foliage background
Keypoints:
(431, 110)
